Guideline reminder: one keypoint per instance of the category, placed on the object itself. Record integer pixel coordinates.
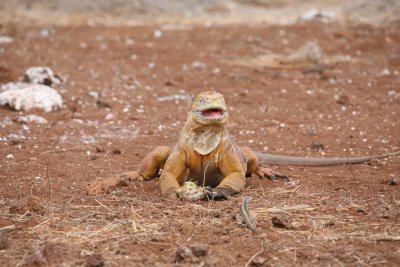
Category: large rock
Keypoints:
(31, 96)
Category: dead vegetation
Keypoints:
(106, 228)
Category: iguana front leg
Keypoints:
(150, 165)
(173, 170)
(232, 169)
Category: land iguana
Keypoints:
(206, 154)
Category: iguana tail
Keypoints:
(304, 161)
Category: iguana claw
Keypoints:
(131, 176)
(263, 172)
(219, 193)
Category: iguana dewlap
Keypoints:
(206, 154)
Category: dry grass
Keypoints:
(111, 223)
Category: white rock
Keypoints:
(41, 75)
(15, 136)
(10, 156)
(316, 14)
(32, 118)
(158, 34)
(216, 70)
(6, 39)
(94, 94)
(13, 86)
(384, 72)
(88, 139)
(176, 97)
(5, 122)
(198, 65)
(31, 96)
(109, 116)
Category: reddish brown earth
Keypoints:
(351, 108)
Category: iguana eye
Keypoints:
(202, 101)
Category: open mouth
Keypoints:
(212, 113)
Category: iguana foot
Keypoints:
(263, 172)
(132, 176)
(219, 193)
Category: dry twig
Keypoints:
(285, 210)
(255, 255)
(384, 237)
(104, 206)
(8, 227)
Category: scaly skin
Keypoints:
(206, 154)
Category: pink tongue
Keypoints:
(211, 113)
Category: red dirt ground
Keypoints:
(351, 108)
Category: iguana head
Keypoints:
(208, 108)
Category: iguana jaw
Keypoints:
(213, 112)
(212, 116)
